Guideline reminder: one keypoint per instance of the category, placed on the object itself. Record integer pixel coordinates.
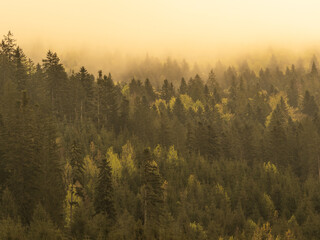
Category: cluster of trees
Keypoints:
(85, 157)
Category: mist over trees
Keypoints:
(232, 155)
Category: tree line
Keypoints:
(86, 157)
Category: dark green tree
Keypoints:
(8, 46)
(56, 80)
(153, 195)
(183, 87)
(103, 199)
(309, 105)
(293, 93)
(150, 94)
(167, 90)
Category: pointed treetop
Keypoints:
(314, 70)
(8, 45)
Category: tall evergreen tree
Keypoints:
(56, 83)
(149, 91)
(293, 93)
(22, 144)
(8, 46)
(277, 141)
(183, 87)
(103, 199)
(153, 195)
(21, 71)
(309, 105)
(167, 90)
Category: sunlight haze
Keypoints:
(195, 30)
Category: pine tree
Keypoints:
(314, 70)
(124, 113)
(149, 91)
(153, 194)
(42, 227)
(309, 106)
(77, 175)
(103, 199)
(183, 87)
(167, 91)
(113, 99)
(293, 93)
(52, 198)
(8, 46)
(165, 132)
(277, 144)
(196, 89)
(84, 93)
(76, 162)
(56, 80)
(179, 111)
(213, 144)
(3, 172)
(21, 159)
(21, 71)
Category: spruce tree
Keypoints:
(20, 71)
(22, 163)
(8, 46)
(56, 80)
(103, 199)
(153, 194)
(149, 91)
(309, 105)
(293, 93)
(183, 87)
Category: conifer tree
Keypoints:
(179, 111)
(149, 91)
(77, 175)
(183, 87)
(8, 46)
(103, 199)
(314, 70)
(52, 198)
(196, 88)
(277, 145)
(153, 194)
(20, 72)
(56, 80)
(309, 106)
(167, 91)
(293, 93)
(21, 160)
(124, 113)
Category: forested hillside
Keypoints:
(83, 156)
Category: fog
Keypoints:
(115, 35)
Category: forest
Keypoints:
(226, 156)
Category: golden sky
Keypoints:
(184, 28)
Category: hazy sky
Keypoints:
(182, 28)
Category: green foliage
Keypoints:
(103, 200)
(10, 229)
(42, 227)
(240, 161)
